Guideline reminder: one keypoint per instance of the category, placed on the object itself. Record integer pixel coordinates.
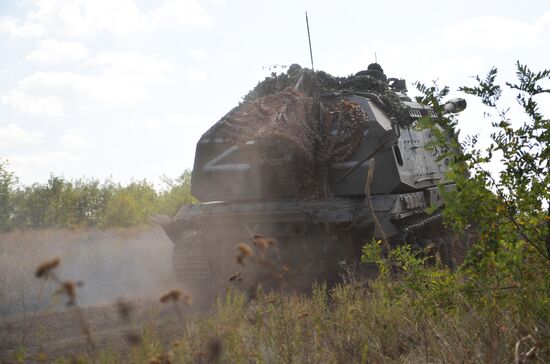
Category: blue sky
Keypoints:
(124, 88)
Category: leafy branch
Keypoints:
(520, 194)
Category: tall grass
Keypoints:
(348, 324)
(416, 314)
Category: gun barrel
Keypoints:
(454, 106)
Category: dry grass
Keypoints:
(344, 325)
(386, 321)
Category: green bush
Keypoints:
(7, 184)
(509, 265)
(177, 192)
(64, 203)
(130, 205)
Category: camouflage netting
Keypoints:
(276, 110)
(329, 86)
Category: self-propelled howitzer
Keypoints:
(321, 165)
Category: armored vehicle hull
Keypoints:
(319, 165)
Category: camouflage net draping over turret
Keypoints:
(327, 85)
(274, 110)
(287, 116)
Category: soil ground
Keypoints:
(131, 264)
(47, 336)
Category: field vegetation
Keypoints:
(493, 308)
(62, 203)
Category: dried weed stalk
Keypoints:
(46, 268)
(244, 251)
(68, 288)
(177, 297)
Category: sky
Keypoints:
(123, 89)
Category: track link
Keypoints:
(190, 261)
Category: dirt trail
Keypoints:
(132, 263)
(59, 334)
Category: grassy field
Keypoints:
(422, 314)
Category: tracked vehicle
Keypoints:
(320, 164)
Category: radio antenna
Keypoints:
(309, 39)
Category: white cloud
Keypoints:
(180, 12)
(497, 32)
(194, 75)
(78, 18)
(13, 135)
(75, 140)
(133, 67)
(422, 62)
(115, 79)
(21, 28)
(199, 54)
(51, 51)
(42, 159)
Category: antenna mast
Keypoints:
(309, 39)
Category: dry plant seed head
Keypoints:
(235, 277)
(172, 295)
(124, 309)
(68, 288)
(262, 242)
(165, 358)
(132, 338)
(161, 359)
(244, 249)
(44, 269)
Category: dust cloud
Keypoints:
(132, 263)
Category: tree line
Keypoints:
(64, 203)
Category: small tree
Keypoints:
(510, 208)
(7, 185)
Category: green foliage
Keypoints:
(509, 264)
(385, 323)
(80, 203)
(7, 183)
(511, 207)
(505, 277)
(177, 192)
(130, 205)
